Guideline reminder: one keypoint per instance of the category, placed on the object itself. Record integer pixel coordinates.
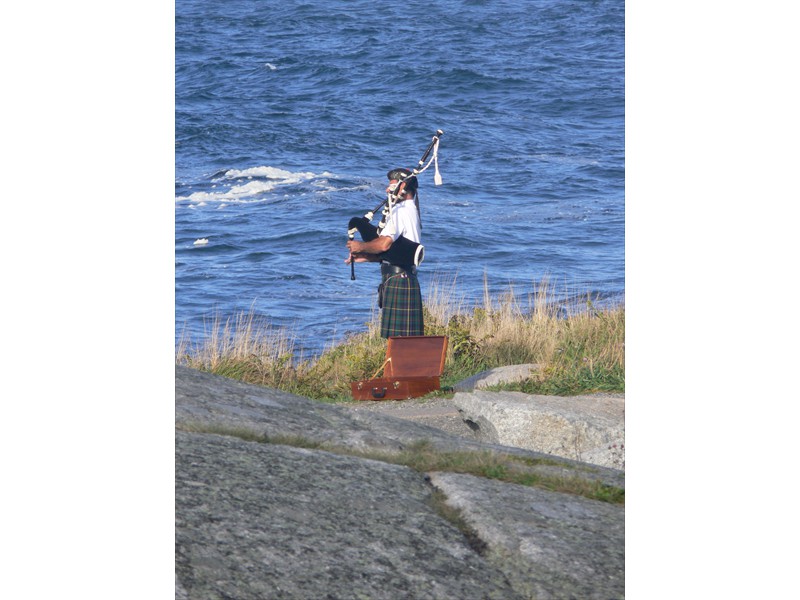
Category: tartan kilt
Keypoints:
(402, 306)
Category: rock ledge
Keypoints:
(266, 520)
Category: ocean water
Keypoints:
(289, 114)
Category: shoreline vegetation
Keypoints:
(579, 346)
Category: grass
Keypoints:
(580, 348)
(423, 457)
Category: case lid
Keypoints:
(415, 356)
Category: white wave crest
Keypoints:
(270, 173)
(237, 193)
(259, 181)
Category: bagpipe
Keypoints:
(402, 251)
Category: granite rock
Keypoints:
(267, 519)
(584, 428)
(496, 376)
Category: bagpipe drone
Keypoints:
(402, 251)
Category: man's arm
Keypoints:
(377, 246)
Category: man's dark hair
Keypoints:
(400, 174)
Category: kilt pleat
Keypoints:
(402, 306)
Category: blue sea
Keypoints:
(289, 114)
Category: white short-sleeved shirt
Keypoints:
(404, 220)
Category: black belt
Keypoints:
(389, 269)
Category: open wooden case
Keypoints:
(412, 368)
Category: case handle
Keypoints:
(376, 394)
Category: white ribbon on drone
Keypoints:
(437, 178)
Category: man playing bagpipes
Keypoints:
(397, 246)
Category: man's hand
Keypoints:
(355, 246)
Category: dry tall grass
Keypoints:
(579, 347)
(244, 347)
